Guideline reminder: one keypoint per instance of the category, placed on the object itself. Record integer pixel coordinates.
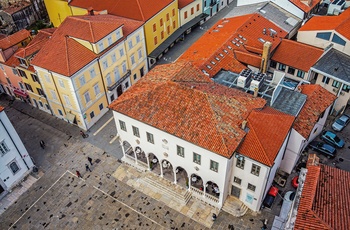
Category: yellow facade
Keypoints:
(34, 89)
(161, 26)
(58, 10)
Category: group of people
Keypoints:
(87, 167)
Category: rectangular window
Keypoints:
(87, 97)
(155, 40)
(162, 35)
(196, 158)
(3, 148)
(251, 187)
(41, 104)
(167, 17)
(118, 34)
(34, 77)
(154, 27)
(109, 41)
(192, 10)
(21, 85)
(282, 67)
(325, 80)
(300, 73)
(97, 89)
(173, 11)
(109, 80)
(92, 114)
(28, 87)
(174, 24)
(161, 22)
(237, 180)
(180, 151)
(139, 52)
(47, 106)
(168, 29)
(346, 88)
(114, 58)
(92, 73)
(126, 85)
(14, 167)
(60, 112)
(135, 76)
(116, 73)
(150, 138)
(105, 64)
(132, 59)
(338, 40)
(100, 106)
(82, 80)
(61, 83)
(53, 95)
(100, 45)
(40, 91)
(185, 14)
(124, 67)
(22, 73)
(47, 78)
(138, 38)
(273, 64)
(135, 131)
(214, 166)
(66, 99)
(336, 84)
(240, 162)
(130, 44)
(14, 71)
(8, 81)
(121, 52)
(197, 7)
(122, 125)
(324, 35)
(255, 170)
(291, 70)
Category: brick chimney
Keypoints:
(265, 57)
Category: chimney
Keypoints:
(265, 57)
(256, 90)
(313, 160)
(244, 124)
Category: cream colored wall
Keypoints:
(150, 34)
(309, 37)
(294, 76)
(187, 9)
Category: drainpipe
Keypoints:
(15, 145)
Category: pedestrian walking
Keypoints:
(87, 167)
(213, 217)
(90, 160)
(78, 174)
(42, 144)
(82, 134)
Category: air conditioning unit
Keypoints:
(257, 81)
(244, 78)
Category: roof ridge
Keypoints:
(341, 63)
(66, 37)
(138, 4)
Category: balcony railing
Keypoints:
(111, 87)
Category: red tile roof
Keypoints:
(183, 3)
(63, 55)
(14, 39)
(318, 100)
(180, 100)
(268, 129)
(16, 7)
(141, 10)
(339, 23)
(297, 55)
(12, 61)
(304, 6)
(325, 199)
(35, 45)
(229, 35)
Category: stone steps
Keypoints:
(167, 188)
(235, 207)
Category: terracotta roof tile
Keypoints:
(268, 129)
(16, 7)
(141, 10)
(183, 3)
(180, 100)
(12, 61)
(35, 45)
(63, 55)
(325, 199)
(14, 39)
(318, 100)
(242, 33)
(297, 55)
(339, 23)
(304, 6)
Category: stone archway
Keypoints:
(128, 150)
(168, 171)
(196, 182)
(154, 164)
(182, 177)
(140, 155)
(212, 188)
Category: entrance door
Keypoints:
(119, 90)
(235, 191)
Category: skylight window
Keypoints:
(218, 59)
(221, 55)
(225, 51)
(213, 62)
(229, 47)
(209, 67)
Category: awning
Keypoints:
(20, 93)
(172, 38)
(70, 117)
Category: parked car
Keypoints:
(270, 197)
(333, 139)
(341, 122)
(326, 149)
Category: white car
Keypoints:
(341, 122)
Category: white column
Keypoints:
(175, 176)
(161, 168)
(121, 143)
(148, 164)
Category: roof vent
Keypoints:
(261, 40)
(220, 26)
(229, 47)
(225, 51)
(264, 31)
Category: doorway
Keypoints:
(236, 192)
(119, 90)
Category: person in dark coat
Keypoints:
(90, 160)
